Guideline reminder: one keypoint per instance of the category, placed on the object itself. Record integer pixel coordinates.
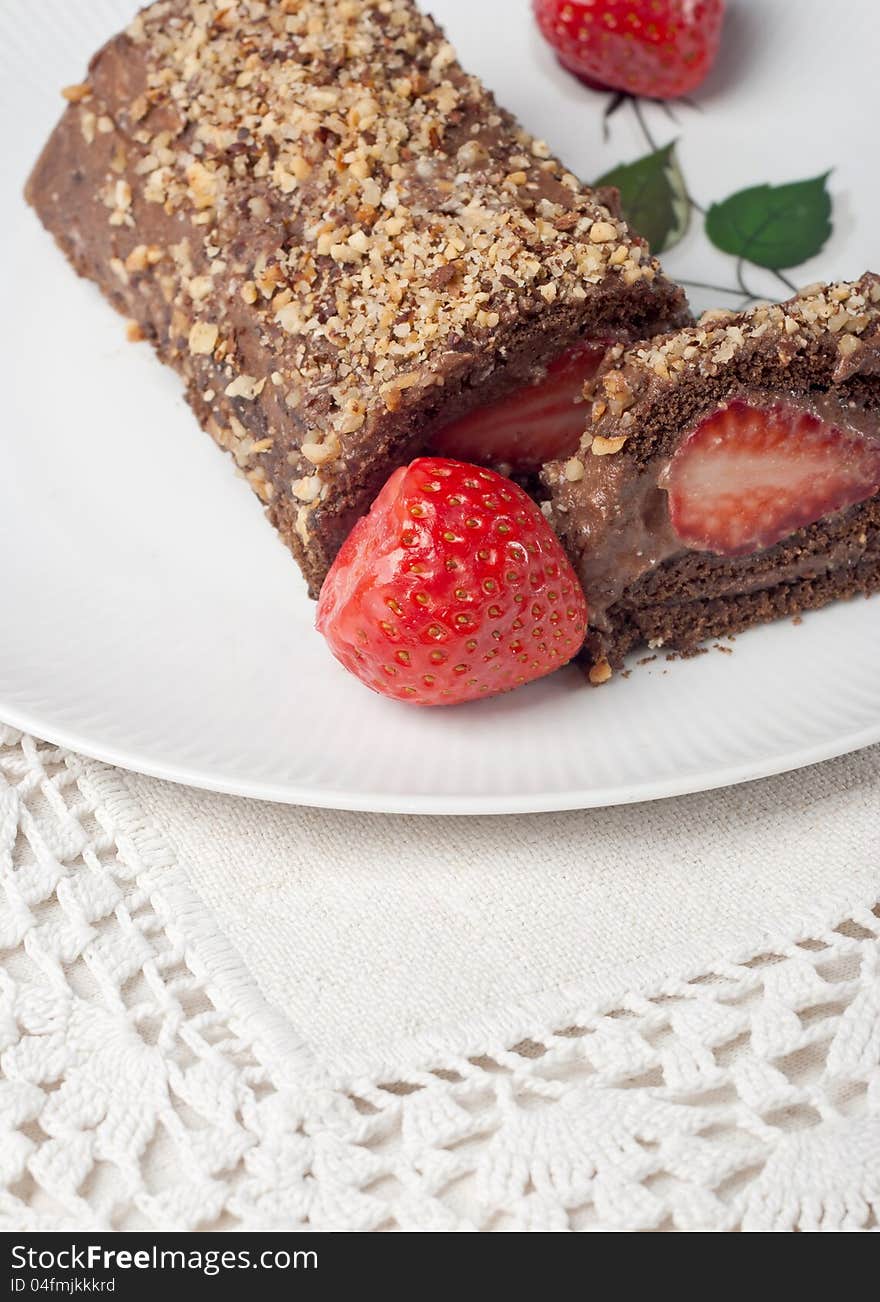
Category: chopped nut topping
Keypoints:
(602, 233)
(203, 337)
(618, 392)
(202, 185)
(77, 93)
(245, 386)
(306, 489)
(716, 314)
(602, 447)
(720, 336)
(320, 453)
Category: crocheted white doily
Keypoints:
(147, 1084)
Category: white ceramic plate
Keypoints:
(149, 616)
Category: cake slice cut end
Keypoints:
(729, 475)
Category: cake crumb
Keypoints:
(725, 650)
(600, 672)
(646, 660)
(688, 653)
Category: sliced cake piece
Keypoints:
(729, 474)
(334, 234)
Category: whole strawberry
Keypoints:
(658, 48)
(453, 587)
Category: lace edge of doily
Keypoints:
(210, 954)
(285, 1051)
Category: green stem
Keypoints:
(611, 108)
(716, 289)
(640, 118)
(747, 293)
(785, 280)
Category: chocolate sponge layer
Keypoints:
(696, 596)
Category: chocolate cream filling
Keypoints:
(623, 532)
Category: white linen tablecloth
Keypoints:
(225, 1015)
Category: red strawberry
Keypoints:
(542, 422)
(453, 587)
(658, 48)
(748, 477)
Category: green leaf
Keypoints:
(653, 197)
(775, 226)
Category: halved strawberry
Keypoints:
(538, 423)
(748, 477)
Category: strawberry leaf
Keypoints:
(653, 197)
(774, 226)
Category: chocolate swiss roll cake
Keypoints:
(334, 234)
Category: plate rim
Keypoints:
(79, 736)
(445, 806)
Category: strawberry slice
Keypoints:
(749, 476)
(542, 422)
(453, 588)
